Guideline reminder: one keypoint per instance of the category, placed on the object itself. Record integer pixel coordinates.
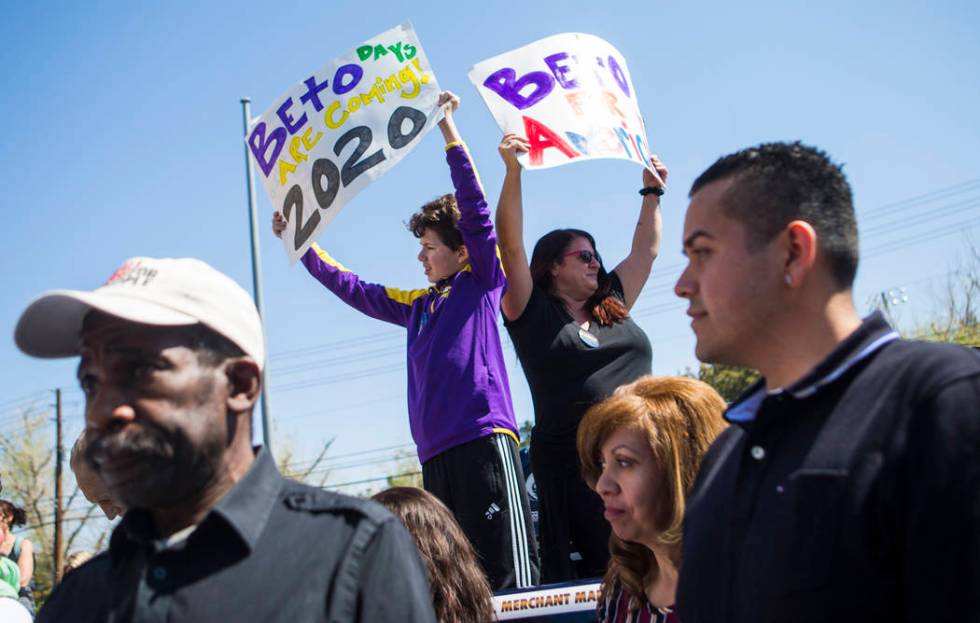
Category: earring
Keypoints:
(788, 279)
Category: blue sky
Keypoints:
(123, 138)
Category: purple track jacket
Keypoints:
(457, 382)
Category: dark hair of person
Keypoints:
(11, 514)
(211, 347)
(441, 216)
(680, 417)
(460, 591)
(607, 308)
(777, 183)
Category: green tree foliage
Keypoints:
(27, 462)
(729, 381)
(310, 472)
(406, 471)
(956, 320)
(525, 434)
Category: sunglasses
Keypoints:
(585, 256)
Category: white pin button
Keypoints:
(757, 453)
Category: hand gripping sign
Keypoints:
(341, 128)
(570, 95)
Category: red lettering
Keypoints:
(541, 137)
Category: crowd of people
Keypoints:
(844, 485)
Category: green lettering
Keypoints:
(397, 49)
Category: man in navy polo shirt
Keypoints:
(848, 487)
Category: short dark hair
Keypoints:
(211, 347)
(442, 216)
(777, 183)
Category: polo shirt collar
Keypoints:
(245, 509)
(873, 333)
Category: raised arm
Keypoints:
(377, 301)
(26, 562)
(475, 224)
(634, 270)
(510, 231)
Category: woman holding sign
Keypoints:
(459, 402)
(569, 321)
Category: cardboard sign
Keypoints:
(342, 128)
(570, 95)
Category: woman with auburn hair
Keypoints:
(640, 451)
(460, 591)
(570, 324)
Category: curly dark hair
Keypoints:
(442, 216)
(460, 591)
(777, 183)
(12, 515)
(607, 308)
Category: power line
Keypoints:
(662, 275)
(928, 197)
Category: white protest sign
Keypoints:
(570, 95)
(341, 128)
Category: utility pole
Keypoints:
(59, 514)
(253, 224)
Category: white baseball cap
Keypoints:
(162, 292)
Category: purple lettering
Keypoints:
(259, 145)
(502, 82)
(354, 72)
(313, 92)
(619, 76)
(287, 120)
(561, 71)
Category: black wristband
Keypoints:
(652, 190)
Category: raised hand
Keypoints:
(649, 179)
(278, 224)
(510, 146)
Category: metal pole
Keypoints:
(59, 512)
(253, 224)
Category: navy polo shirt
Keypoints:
(851, 495)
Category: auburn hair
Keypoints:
(460, 590)
(680, 418)
(606, 307)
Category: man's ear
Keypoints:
(801, 252)
(244, 383)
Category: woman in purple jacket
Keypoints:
(459, 405)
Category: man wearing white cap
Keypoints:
(171, 365)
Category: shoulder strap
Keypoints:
(15, 550)
(342, 601)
